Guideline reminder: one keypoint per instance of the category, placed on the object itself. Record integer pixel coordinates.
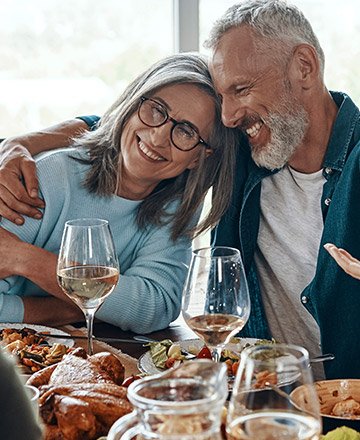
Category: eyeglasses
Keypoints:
(183, 136)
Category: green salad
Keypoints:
(343, 433)
(166, 353)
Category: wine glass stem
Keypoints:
(89, 316)
(216, 353)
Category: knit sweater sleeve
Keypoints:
(11, 305)
(35, 232)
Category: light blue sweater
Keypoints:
(148, 295)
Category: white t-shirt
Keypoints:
(291, 226)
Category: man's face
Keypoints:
(257, 97)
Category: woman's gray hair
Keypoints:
(190, 187)
(275, 20)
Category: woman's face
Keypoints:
(148, 154)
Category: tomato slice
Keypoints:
(235, 367)
(130, 380)
(204, 353)
(170, 362)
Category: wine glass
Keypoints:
(87, 268)
(274, 396)
(216, 302)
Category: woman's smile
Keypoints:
(149, 153)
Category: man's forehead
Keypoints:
(236, 43)
(233, 57)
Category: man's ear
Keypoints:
(305, 66)
(195, 162)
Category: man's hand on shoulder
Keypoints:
(18, 183)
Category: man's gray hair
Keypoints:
(275, 20)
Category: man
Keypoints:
(296, 184)
(299, 188)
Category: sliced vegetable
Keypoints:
(159, 351)
(130, 380)
(204, 353)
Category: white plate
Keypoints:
(41, 329)
(146, 364)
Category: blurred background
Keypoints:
(62, 58)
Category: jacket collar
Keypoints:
(346, 120)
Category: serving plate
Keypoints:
(147, 366)
(41, 329)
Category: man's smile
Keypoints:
(254, 129)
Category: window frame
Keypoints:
(186, 25)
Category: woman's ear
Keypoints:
(195, 162)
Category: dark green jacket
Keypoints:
(332, 297)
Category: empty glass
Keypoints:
(33, 393)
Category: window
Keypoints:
(59, 59)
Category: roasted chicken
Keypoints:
(81, 396)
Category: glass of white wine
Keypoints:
(216, 302)
(274, 396)
(87, 268)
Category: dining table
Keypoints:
(176, 331)
(107, 338)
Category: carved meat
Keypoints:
(111, 364)
(80, 398)
(41, 377)
(346, 408)
(75, 419)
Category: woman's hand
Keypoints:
(18, 183)
(50, 311)
(9, 253)
(346, 261)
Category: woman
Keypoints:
(146, 169)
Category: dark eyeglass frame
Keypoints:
(173, 121)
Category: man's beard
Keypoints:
(287, 127)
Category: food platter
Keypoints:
(147, 366)
(42, 329)
(31, 347)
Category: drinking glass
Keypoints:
(184, 403)
(87, 268)
(33, 394)
(216, 302)
(273, 396)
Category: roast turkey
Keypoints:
(81, 396)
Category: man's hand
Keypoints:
(346, 261)
(18, 181)
(17, 166)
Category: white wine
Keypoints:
(274, 425)
(88, 286)
(215, 329)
